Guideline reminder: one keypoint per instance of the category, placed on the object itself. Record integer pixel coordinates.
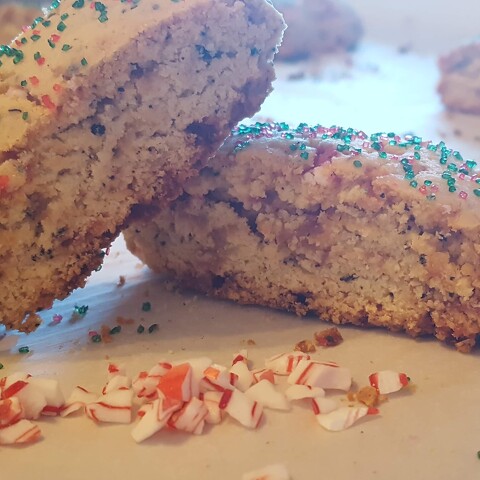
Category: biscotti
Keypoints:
(316, 28)
(459, 85)
(376, 230)
(106, 105)
(13, 17)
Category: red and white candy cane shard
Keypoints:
(285, 363)
(298, 392)
(5, 382)
(153, 420)
(22, 431)
(10, 411)
(270, 472)
(246, 411)
(243, 376)
(50, 388)
(216, 377)
(323, 405)
(264, 374)
(31, 398)
(268, 396)
(388, 381)
(113, 407)
(114, 369)
(198, 365)
(77, 400)
(190, 418)
(145, 387)
(117, 382)
(212, 402)
(342, 418)
(160, 369)
(320, 374)
(177, 382)
(241, 356)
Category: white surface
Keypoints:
(433, 432)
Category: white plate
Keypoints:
(432, 432)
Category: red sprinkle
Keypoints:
(57, 87)
(55, 38)
(34, 80)
(41, 61)
(47, 101)
(4, 181)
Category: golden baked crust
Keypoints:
(13, 17)
(459, 85)
(103, 108)
(317, 27)
(371, 230)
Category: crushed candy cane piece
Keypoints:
(298, 392)
(115, 369)
(31, 398)
(285, 363)
(50, 388)
(268, 396)
(77, 400)
(22, 431)
(242, 376)
(241, 356)
(264, 374)
(199, 365)
(270, 472)
(246, 411)
(323, 405)
(113, 407)
(117, 382)
(160, 369)
(176, 383)
(321, 374)
(342, 418)
(154, 419)
(10, 411)
(388, 381)
(191, 417)
(212, 402)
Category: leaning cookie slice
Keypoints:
(371, 230)
(106, 105)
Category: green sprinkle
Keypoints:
(64, 16)
(357, 164)
(427, 183)
(84, 62)
(153, 328)
(293, 147)
(304, 155)
(416, 156)
(61, 27)
(78, 4)
(1, 366)
(115, 330)
(476, 192)
(478, 454)
(392, 143)
(23, 83)
(382, 154)
(51, 43)
(342, 148)
(414, 184)
(96, 338)
(432, 147)
(457, 156)
(36, 55)
(376, 146)
(140, 329)
(146, 306)
(446, 175)
(24, 350)
(451, 181)
(477, 180)
(471, 164)
(289, 136)
(46, 23)
(35, 37)
(452, 189)
(452, 167)
(391, 134)
(66, 47)
(302, 147)
(80, 310)
(25, 116)
(409, 175)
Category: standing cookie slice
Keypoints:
(106, 105)
(372, 230)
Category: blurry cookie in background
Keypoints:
(13, 17)
(317, 27)
(459, 85)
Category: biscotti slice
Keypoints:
(13, 16)
(106, 105)
(459, 85)
(370, 230)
